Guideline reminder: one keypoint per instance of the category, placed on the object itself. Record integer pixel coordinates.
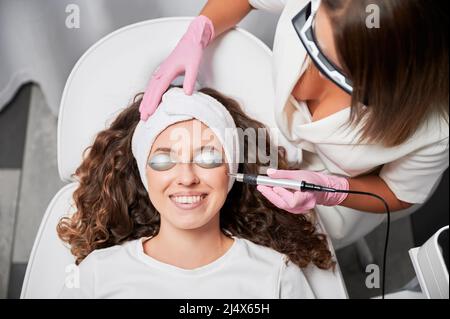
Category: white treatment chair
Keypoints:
(103, 82)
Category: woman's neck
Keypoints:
(188, 249)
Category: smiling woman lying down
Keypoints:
(158, 217)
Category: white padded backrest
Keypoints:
(113, 70)
(50, 259)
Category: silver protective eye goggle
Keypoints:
(205, 159)
(303, 25)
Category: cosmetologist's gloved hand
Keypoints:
(185, 58)
(298, 202)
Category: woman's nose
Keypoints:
(186, 175)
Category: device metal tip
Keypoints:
(239, 177)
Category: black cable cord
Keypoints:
(318, 188)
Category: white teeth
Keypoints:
(187, 199)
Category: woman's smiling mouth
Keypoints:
(188, 200)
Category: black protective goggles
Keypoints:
(304, 26)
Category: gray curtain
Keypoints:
(36, 45)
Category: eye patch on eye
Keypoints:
(205, 159)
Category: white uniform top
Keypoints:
(411, 170)
(246, 270)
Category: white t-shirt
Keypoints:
(411, 170)
(246, 270)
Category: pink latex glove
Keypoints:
(298, 202)
(185, 58)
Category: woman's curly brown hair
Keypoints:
(113, 205)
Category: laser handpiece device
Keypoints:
(285, 183)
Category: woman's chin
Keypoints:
(192, 221)
(189, 224)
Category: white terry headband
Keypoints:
(176, 107)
